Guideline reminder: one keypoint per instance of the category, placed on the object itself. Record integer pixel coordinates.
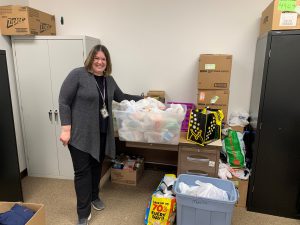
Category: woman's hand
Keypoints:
(65, 134)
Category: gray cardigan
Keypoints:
(79, 107)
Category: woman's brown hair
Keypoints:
(91, 56)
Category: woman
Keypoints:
(85, 107)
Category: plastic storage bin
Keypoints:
(149, 127)
(189, 107)
(203, 211)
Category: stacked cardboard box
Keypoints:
(214, 81)
(280, 15)
(19, 20)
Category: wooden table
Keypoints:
(188, 157)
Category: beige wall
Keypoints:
(5, 44)
(156, 44)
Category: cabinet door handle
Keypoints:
(50, 115)
(197, 172)
(56, 115)
(195, 158)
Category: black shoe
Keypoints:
(98, 204)
(84, 221)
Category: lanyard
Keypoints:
(102, 95)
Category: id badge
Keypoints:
(104, 112)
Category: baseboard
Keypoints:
(24, 173)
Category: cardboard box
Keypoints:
(280, 15)
(215, 63)
(242, 186)
(156, 94)
(129, 177)
(223, 108)
(19, 20)
(235, 128)
(214, 80)
(38, 218)
(215, 71)
(213, 97)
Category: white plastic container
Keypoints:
(150, 127)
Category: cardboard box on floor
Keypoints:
(38, 218)
(242, 186)
(280, 15)
(215, 97)
(23, 20)
(129, 177)
(214, 71)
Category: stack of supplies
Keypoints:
(214, 81)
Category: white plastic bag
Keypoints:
(224, 171)
(239, 118)
(205, 190)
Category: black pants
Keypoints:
(87, 172)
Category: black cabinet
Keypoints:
(10, 182)
(275, 118)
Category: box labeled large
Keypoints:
(213, 97)
(125, 176)
(280, 15)
(214, 71)
(19, 20)
(38, 218)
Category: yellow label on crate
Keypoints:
(161, 210)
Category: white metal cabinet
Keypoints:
(42, 63)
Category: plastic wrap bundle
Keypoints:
(149, 120)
